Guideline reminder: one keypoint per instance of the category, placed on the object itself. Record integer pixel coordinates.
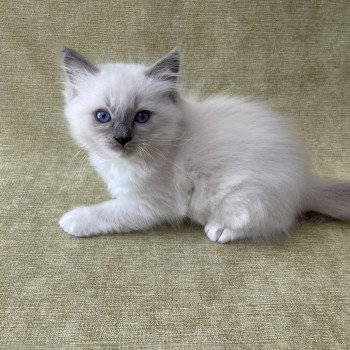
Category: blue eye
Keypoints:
(103, 116)
(142, 117)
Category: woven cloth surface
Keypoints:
(168, 289)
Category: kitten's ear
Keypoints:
(76, 67)
(167, 68)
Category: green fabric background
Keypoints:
(168, 289)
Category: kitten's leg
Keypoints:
(248, 218)
(111, 216)
(229, 219)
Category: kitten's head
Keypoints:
(124, 109)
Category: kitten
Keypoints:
(226, 163)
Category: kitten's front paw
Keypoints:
(77, 222)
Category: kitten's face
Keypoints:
(123, 109)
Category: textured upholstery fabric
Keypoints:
(168, 289)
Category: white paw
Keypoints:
(227, 235)
(219, 233)
(213, 231)
(77, 222)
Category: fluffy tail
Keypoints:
(330, 198)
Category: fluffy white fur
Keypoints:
(227, 163)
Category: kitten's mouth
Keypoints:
(117, 147)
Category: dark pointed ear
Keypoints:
(167, 68)
(76, 66)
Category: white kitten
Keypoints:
(226, 163)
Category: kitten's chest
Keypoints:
(122, 178)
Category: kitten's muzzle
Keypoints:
(123, 140)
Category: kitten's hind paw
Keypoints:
(227, 236)
(213, 231)
(219, 233)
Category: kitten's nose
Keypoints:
(123, 140)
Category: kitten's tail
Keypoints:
(330, 198)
